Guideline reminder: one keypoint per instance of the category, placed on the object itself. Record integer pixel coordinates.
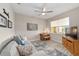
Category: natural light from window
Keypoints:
(59, 26)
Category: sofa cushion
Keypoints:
(13, 50)
(24, 50)
(6, 51)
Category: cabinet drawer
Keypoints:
(70, 45)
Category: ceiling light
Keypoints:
(43, 13)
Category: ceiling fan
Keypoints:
(43, 10)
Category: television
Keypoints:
(72, 32)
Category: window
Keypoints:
(59, 26)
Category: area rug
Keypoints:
(56, 52)
(42, 46)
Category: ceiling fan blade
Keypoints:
(38, 11)
(43, 11)
(48, 11)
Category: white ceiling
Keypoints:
(57, 8)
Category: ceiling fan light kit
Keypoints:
(43, 13)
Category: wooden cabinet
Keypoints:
(44, 36)
(71, 44)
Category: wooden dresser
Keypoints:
(71, 44)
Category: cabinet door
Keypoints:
(70, 46)
(64, 42)
(76, 48)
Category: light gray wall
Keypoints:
(6, 33)
(21, 26)
(73, 17)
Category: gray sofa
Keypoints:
(8, 48)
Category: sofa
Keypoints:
(8, 48)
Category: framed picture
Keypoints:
(3, 21)
(9, 24)
(32, 27)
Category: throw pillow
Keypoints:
(17, 39)
(22, 42)
(24, 50)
